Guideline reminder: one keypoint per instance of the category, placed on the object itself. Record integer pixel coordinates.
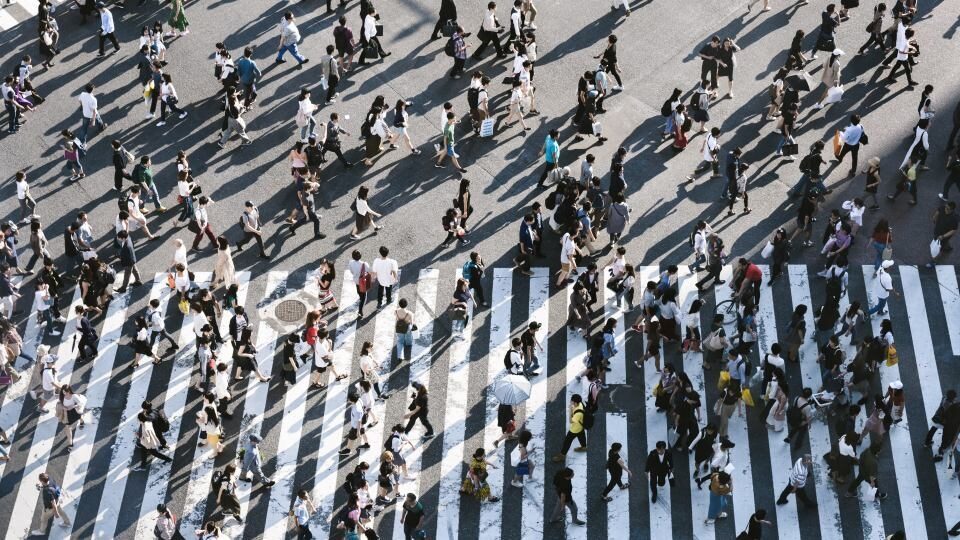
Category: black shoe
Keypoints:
(279, 61)
(653, 498)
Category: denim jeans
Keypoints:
(154, 194)
(293, 51)
(308, 129)
(404, 340)
(718, 503)
(85, 126)
(881, 303)
(878, 260)
(783, 141)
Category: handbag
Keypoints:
(379, 30)
(171, 281)
(364, 282)
(790, 149)
(747, 397)
(717, 406)
(486, 127)
(892, 357)
(5, 377)
(935, 248)
(184, 306)
(724, 380)
(657, 389)
(415, 332)
(887, 254)
(837, 144)
(767, 250)
(597, 128)
(714, 341)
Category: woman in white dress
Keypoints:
(777, 416)
(223, 270)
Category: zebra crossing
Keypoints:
(304, 428)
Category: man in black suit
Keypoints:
(88, 335)
(660, 468)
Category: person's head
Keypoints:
(554, 133)
(88, 88)
(288, 16)
(334, 117)
(342, 20)
(384, 251)
(403, 303)
(304, 94)
(203, 200)
(491, 5)
(576, 400)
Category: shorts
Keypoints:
(319, 369)
(450, 151)
(47, 395)
(400, 131)
(565, 266)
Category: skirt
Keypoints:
(372, 146)
(701, 115)
(142, 347)
(362, 222)
(179, 21)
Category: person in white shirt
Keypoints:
(711, 156)
(303, 508)
(851, 137)
(700, 237)
(358, 433)
(252, 228)
(489, 33)
(387, 273)
(364, 214)
(516, 358)
(516, 111)
(323, 359)
(43, 303)
(91, 115)
(568, 250)
(27, 204)
(107, 28)
(855, 209)
(49, 383)
(358, 267)
(169, 99)
(379, 132)
(882, 287)
(289, 37)
(516, 21)
(368, 37)
(201, 224)
(917, 153)
(136, 215)
(370, 369)
(154, 318)
(905, 50)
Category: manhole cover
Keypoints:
(290, 311)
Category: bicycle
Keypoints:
(730, 309)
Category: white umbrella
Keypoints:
(512, 389)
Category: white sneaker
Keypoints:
(149, 116)
(183, 114)
(618, 88)
(516, 484)
(161, 123)
(54, 333)
(532, 26)
(37, 532)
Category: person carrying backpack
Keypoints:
(799, 417)
(166, 525)
(457, 49)
(577, 430)
(51, 494)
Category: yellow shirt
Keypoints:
(576, 420)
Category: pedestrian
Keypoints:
(563, 485)
(721, 486)
(345, 44)
(799, 417)
(906, 49)
(709, 56)
(107, 27)
(200, 225)
(169, 99)
(165, 528)
(475, 484)
(71, 153)
(141, 342)
(209, 423)
(154, 318)
(252, 229)
(883, 286)
(830, 77)
(387, 273)
(27, 203)
(225, 486)
(143, 176)
(449, 144)
(412, 517)
(148, 442)
(798, 481)
(489, 33)
(128, 260)
(576, 430)
(523, 465)
(121, 159)
(249, 75)
(459, 51)
(303, 509)
(178, 19)
(917, 153)
(419, 411)
(289, 37)
(754, 529)
(88, 334)
(51, 496)
(234, 122)
(369, 37)
(70, 408)
(253, 463)
(306, 123)
(616, 465)
(448, 14)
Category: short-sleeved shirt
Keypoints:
(883, 285)
(552, 150)
(563, 485)
(448, 134)
(945, 222)
(753, 273)
(88, 103)
(710, 52)
(566, 248)
(385, 269)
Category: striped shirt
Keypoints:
(798, 476)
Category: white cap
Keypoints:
(896, 385)
(887, 264)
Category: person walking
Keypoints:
(798, 481)
(524, 463)
(128, 261)
(576, 430)
(563, 485)
(249, 75)
(303, 509)
(659, 467)
(253, 463)
(332, 142)
(169, 100)
(449, 144)
(551, 155)
(27, 203)
(867, 471)
(178, 19)
(369, 37)
(882, 288)
(165, 528)
(490, 33)
(799, 416)
(289, 37)
(403, 328)
(945, 224)
(51, 496)
(233, 111)
(252, 228)
(851, 138)
(200, 225)
(413, 517)
(459, 51)
(90, 112)
(386, 272)
(107, 28)
(70, 407)
(448, 13)
(121, 160)
(419, 410)
(721, 486)
(148, 442)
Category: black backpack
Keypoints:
(507, 360)
(551, 201)
(587, 419)
(160, 421)
(795, 413)
(473, 98)
(449, 49)
(217, 480)
(665, 109)
(695, 101)
(835, 285)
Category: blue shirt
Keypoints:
(552, 150)
(526, 238)
(247, 71)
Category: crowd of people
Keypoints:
(578, 209)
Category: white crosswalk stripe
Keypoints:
(515, 301)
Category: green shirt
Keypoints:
(448, 134)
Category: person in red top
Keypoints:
(749, 276)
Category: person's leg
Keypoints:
(854, 153)
(784, 494)
(103, 39)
